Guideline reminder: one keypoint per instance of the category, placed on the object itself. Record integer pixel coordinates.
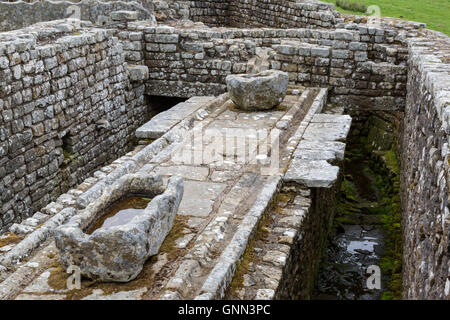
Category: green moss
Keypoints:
(177, 231)
(383, 168)
(387, 295)
(71, 157)
(386, 173)
(261, 233)
(391, 160)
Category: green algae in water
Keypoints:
(121, 212)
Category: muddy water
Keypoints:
(357, 241)
(121, 212)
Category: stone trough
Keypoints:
(118, 253)
(261, 91)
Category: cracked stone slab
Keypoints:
(313, 174)
(223, 176)
(199, 198)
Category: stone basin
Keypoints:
(118, 253)
(261, 91)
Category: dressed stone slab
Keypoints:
(327, 131)
(313, 159)
(324, 118)
(164, 121)
(336, 147)
(313, 174)
(117, 253)
(199, 198)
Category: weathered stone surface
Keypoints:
(72, 115)
(119, 252)
(327, 131)
(259, 91)
(21, 14)
(306, 146)
(187, 172)
(424, 174)
(124, 15)
(199, 198)
(68, 106)
(138, 73)
(122, 295)
(164, 121)
(313, 174)
(265, 294)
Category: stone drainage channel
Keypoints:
(363, 232)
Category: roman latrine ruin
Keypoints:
(73, 101)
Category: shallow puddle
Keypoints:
(357, 244)
(121, 212)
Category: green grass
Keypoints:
(352, 5)
(435, 13)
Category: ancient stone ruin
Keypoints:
(250, 178)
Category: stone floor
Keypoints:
(232, 163)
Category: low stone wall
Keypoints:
(16, 15)
(67, 107)
(425, 172)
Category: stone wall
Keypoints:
(282, 14)
(425, 171)
(362, 66)
(252, 13)
(169, 10)
(299, 273)
(67, 107)
(186, 63)
(16, 15)
(213, 13)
